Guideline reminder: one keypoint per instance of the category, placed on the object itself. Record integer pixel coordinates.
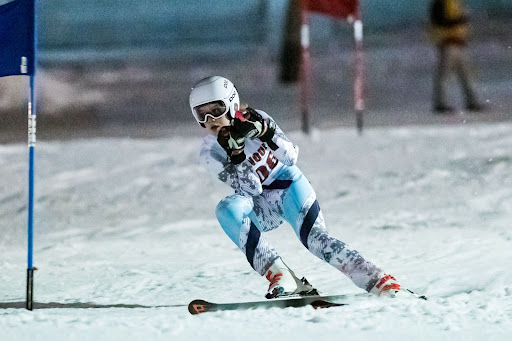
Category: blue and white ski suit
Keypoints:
(270, 189)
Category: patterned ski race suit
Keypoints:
(270, 189)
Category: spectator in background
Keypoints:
(449, 32)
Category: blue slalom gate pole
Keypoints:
(31, 147)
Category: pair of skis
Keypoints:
(318, 302)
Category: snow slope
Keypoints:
(126, 221)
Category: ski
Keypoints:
(318, 302)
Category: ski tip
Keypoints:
(198, 306)
(321, 304)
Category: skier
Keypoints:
(247, 150)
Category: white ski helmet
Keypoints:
(213, 89)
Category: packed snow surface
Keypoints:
(131, 222)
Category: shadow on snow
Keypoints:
(80, 305)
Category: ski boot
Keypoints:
(284, 283)
(386, 285)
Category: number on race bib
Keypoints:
(264, 171)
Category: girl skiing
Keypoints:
(248, 151)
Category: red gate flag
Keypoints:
(335, 8)
(16, 37)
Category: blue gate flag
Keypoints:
(16, 37)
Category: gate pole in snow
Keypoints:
(18, 51)
(304, 68)
(358, 82)
(31, 147)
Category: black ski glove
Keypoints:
(233, 143)
(252, 125)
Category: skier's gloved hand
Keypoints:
(252, 125)
(233, 143)
(249, 124)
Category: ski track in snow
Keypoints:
(126, 221)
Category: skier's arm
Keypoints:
(240, 177)
(258, 124)
(284, 150)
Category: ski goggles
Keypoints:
(214, 110)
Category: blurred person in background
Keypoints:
(449, 32)
(246, 150)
